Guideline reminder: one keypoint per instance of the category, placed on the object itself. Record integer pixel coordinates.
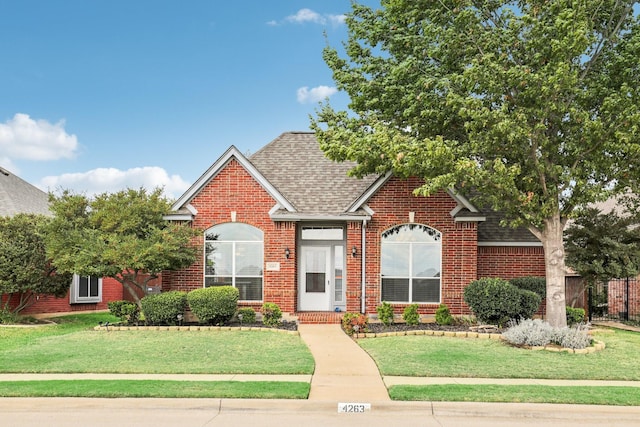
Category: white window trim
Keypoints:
(411, 269)
(74, 292)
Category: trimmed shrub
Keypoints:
(127, 311)
(410, 315)
(496, 301)
(443, 315)
(385, 313)
(575, 315)
(529, 283)
(247, 315)
(166, 308)
(271, 314)
(575, 337)
(529, 303)
(534, 332)
(537, 332)
(354, 323)
(215, 305)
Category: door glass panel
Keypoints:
(315, 282)
(315, 270)
(338, 271)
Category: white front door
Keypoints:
(315, 278)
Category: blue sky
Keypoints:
(100, 95)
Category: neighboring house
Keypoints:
(85, 293)
(289, 226)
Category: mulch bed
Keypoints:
(402, 327)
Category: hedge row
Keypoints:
(216, 305)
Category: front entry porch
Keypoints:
(319, 317)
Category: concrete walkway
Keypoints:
(344, 372)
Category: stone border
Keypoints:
(111, 328)
(597, 345)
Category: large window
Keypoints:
(411, 263)
(85, 289)
(234, 257)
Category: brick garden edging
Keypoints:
(111, 328)
(597, 346)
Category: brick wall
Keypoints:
(111, 291)
(508, 262)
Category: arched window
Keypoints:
(234, 257)
(411, 264)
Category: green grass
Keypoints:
(622, 396)
(71, 347)
(427, 356)
(156, 388)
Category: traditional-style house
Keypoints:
(85, 293)
(289, 226)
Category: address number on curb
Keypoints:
(354, 408)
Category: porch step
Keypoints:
(319, 317)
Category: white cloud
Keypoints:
(307, 15)
(25, 138)
(316, 94)
(111, 180)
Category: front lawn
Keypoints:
(65, 349)
(572, 395)
(156, 388)
(428, 356)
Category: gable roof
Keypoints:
(18, 196)
(182, 207)
(308, 186)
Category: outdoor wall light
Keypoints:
(354, 251)
(287, 253)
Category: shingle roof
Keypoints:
(294, 164)
(18, 196)
(490, 231)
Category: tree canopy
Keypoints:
(603, 246)
(121, 235)
(533, 102)
(25, 269)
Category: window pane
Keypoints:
(426, 260)
(395, 289)
(411, 233)
(235, 231)
(83, 287)
(248, 259)
(338, 271)
(315, 282)
(220, 261)
(426, 290)
(322, 233)
(217, 281)
(395, 260)
(93, 291)
(250, 288)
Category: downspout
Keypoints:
(363, 252)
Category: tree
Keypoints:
(25, 270)
(603, 246)
(121, 235)
(535, 103)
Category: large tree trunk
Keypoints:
(552, 242)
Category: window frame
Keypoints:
(234, 254)
(74, 291)
(436, 240)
